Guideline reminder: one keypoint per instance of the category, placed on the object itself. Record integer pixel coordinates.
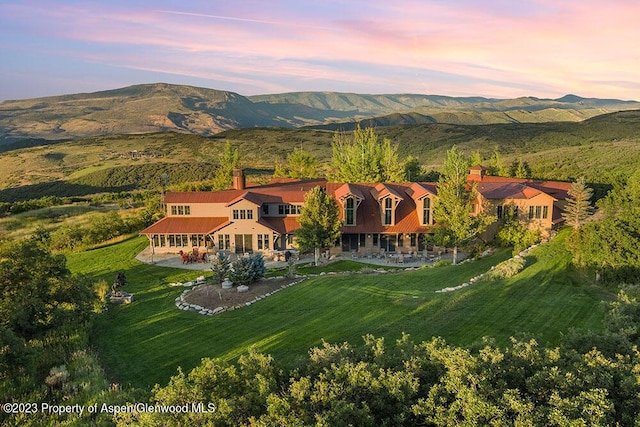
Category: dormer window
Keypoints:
(426, 211)
(388, 212)
(350, 197)
(349, 211)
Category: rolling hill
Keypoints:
(595, 147)
(163, 107)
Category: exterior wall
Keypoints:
(541, 200)
(199, 209)
(242, 205)
(244, 228)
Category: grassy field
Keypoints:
(144, 343)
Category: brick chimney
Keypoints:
(239, 182)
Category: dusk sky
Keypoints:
(500, 49)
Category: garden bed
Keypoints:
(212, 296)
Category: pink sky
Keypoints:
(499, 49)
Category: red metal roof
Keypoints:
(282, 225)
(186, 225)
(288, 192)
(512, 190)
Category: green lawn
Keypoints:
(144, 343)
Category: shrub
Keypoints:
(506, 269)
(221, 266)
(247, 269)
(518, 235)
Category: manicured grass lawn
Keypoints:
(144, 343)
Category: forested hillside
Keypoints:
(597, 148)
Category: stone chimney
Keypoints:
(239, 182)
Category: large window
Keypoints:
(224, 242)
(426, 211)
(349, 212)
(263, 241)
(388, 211)
(506, 211)
(537, 212)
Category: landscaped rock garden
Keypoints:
(211, 299)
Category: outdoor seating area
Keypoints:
(193, 256)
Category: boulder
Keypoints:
(243, 288)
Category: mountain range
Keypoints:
(165, 107)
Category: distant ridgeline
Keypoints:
(163, 107)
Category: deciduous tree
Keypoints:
(300, 165)
(362, 157)
(319, 222)
(453, 210)
(229, 159)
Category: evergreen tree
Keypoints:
(520, 169)
(362, 157)
(578, 206)
(319, 222)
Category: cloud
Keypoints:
(500, 48)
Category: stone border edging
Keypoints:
(479, 277)
(195, 308)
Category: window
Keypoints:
(172, 240)
(224, 242)
(363, 241)
(375, 240)
(507, 211)
(263, 241)
(349, 212)
(242, 214)
(265, 209)
(400, 240)
(180, 210)
(388, 211)
(163, 240)
(537, 212)
(289, 209)
(426, 211)
(412, 237)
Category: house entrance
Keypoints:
(243, 243)
(349, 242)
(388, 242)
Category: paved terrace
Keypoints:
(175, 261)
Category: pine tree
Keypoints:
(319, 222)
(578, 207)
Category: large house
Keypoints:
(376, 217)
